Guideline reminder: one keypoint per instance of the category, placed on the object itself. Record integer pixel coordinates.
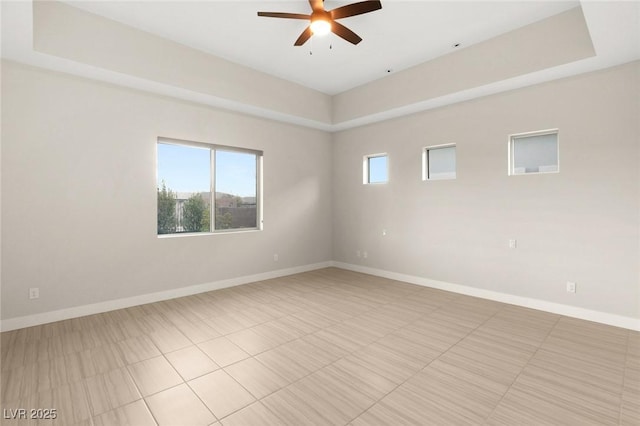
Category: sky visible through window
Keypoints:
(236, 173)
(187, 169)
(378, 169)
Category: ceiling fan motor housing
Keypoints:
(322, 21)
(321, 15)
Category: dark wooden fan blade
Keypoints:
(316, 4)
(344, 32)
(284, 15)
(354, 9)
(306, 35)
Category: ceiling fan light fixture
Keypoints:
(323, 21)
(320, 27)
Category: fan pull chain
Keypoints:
(311, 50)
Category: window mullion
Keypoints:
(212, 208)
(259, 192)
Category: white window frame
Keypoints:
(365, 168)
(510, 151)
(425, 161)
(212, 151)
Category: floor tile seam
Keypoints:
(243, 387)
(192, 390)
(255, 399)
(597, 376)
(249, 327)
(413, 375)
(257, 353)
(523, 369)
(266, 350)
(21, 401)
(153, 416)
(325, 366)
(557, 403)
(260, 334)
(307, 334)
(164, 356)
(127, 366)
(465, 336)
(88, 399)
(253, 356)
(364, 299)
(575, 344)
(124, 405)
(83, 382)
(624, 378)
(594, 347)
(186, 383)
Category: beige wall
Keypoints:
(79, 194)
(79, 201)
(579, 225)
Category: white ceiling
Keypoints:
(400, 35)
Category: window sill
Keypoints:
(202, 234)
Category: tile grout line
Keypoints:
(430, 362)
(524, 367)
(184, 382)
(331, 363)
(378, 339)
(624, 376)
(144, 401)
(256, 400)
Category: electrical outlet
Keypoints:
(358, 253)
(513, 243)
(571, 287)
(364, 254)
(34, 293)
(276, 257)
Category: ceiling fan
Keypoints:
(322, 21)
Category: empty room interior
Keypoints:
(214, 214)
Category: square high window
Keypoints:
(439, 162)
(376, 169)
(535, 152)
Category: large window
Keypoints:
(439, 162)
(194, 177)
(375, 169)
(535, 152)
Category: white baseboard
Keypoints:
(542, 305)
(96, 308)
(111, 305)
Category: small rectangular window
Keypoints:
(439, 162)
(535, 152)
(189, 173)
(376, 169)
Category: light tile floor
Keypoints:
(328, 347)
